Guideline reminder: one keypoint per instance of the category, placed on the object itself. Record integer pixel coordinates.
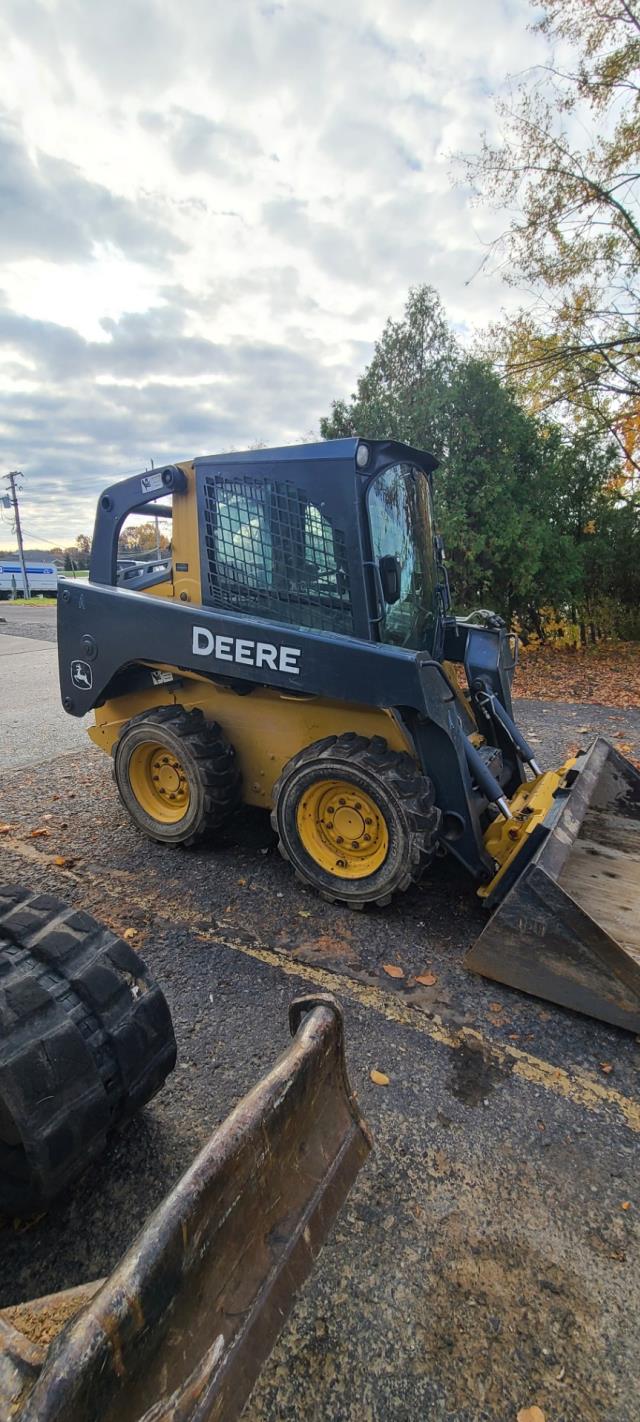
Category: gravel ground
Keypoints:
(483, 1262)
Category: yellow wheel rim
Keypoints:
(159, 782)
(342, 829)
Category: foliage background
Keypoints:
(530, 508)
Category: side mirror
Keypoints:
(390, 578)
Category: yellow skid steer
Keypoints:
(297, 651)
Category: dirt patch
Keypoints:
(41, 1320)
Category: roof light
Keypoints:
(362, 456)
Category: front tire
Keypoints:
(356, 820)
(176, 774)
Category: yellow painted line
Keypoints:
(577, 1086)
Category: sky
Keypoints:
(208, 211)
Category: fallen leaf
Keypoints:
(531, 1414)
(304, 913)
(606, 1067)
(6, 829)
(495, 1007)
(39, 833)
(61, 862)
(379, 1077)
(130, 933)
(427, 979)
(242, 882)
(626, 1205)
(392, 972)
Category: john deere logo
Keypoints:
(81, 676)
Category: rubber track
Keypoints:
(218, 769)
(85, 1040)
(402, 777)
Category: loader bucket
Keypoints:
(181, 1328)
(569, 927)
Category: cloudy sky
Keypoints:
(209, 210)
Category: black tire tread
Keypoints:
(86, 1039)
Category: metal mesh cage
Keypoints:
(272, 552)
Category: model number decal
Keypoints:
(246, 653)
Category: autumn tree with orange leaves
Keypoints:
(566, 167)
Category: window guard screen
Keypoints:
(272, 552)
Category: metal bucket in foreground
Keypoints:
(181, 1328)
(568, 930)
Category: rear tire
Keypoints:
(357, 820)
(86, 1039)
(176, 774)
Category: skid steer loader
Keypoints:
(300, 654)
(182, 1326)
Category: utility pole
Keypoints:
(11, 480)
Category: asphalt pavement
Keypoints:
(487, 1259)
(33, 726)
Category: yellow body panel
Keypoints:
(160, 589)
(185, 541)
(266, 727)
(529, 806)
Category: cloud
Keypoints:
(198, 144)
(91, 412)
(208, 213)
(51, 210)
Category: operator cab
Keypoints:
(337, 537)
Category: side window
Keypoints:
(242, 540)
(324, 551)
(272, 552)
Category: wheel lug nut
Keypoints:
(340, 839)
(329, 824)
(342, 802)
(355, 844)
(367, 836)
(369, 822)
(330, 810)
(357, 805)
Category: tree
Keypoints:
(494, 485)
(405, 386)
(141, 538)
(567, 168)
(530, 511)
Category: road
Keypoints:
(484, 1261)
(33, 726)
